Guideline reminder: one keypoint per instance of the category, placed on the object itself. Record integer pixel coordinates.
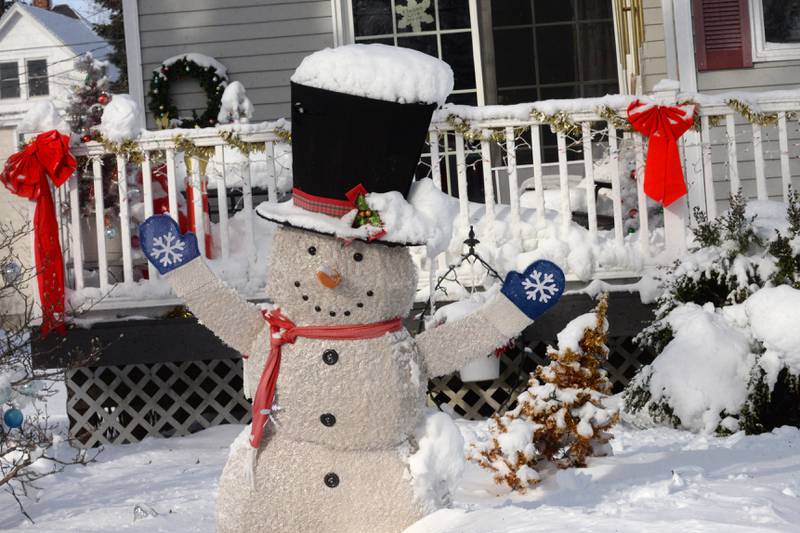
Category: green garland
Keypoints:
(160, 104)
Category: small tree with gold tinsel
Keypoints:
(561, 419)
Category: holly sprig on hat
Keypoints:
(365, 215)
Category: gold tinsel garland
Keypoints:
(247, 148)
(283, 134)
(128, 149)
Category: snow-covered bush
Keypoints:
(561, 418)
(724, 362)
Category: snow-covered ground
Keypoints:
(658, 480)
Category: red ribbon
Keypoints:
(663, 125)
(282, 331)
(25, 174)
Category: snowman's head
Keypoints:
(317, 279)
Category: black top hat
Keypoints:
(343, 147)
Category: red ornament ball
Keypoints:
(86, 138)
(633, 213)
(102, 99)
(135, 241)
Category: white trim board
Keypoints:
(133, 53)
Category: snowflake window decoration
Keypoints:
(168, 250)
(540, 287)
(414, 14)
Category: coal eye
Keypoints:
(357, 256)
(312, 250)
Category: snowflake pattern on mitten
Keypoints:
(164, 245)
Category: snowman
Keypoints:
(340, 441)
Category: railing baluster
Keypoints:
(272, 180)
(733, 163)
(708, 167)
(488, 187)
(196, 184)
(615, 184)
(538, 183)
(588, 168)
(644, 217)
(147, 191)
(222, 203)
(513, 183)
(100, 223)
(461, 173)
(786, 174)
(436, 174)
(75, 223)
(124, 219)
(566, 209)
(247, 197)
(758, 156)
(172, 186)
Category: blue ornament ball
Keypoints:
(13, 418)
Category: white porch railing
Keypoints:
(493, 150)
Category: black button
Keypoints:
(330, 357)
(327, 419)
(331, 480)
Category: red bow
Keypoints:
(25, 175)
(663, 125)
(282, 331)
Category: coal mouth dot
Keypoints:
(332, 313)
(317, 308)
(347, 313)
(359, 304)
(305, 297)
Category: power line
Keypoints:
(105, 41)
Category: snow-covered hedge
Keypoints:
(726, 327)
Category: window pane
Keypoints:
(372, 17)
(9, 80)
(594, 9)
(457, 52)
(782, 21)
(511, 12)
(596, 62)
(513, 56)
(425, 44)
(516, 96)
(556, 53)
(381, 40)
(553, 10)
(37, 78)
(453, 14)
(414, 16)
(600, 89)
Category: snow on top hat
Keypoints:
(360, 117)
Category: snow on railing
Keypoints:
(558, 179)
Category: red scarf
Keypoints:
(25, 175)
(663, 125)
(282, 331)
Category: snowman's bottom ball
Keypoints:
(303, 487)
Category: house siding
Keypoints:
(654, 62)
(260, 42)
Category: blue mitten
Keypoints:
(537, 289)
(163, 244)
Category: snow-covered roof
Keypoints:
(76, 34)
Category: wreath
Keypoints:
(212, 81)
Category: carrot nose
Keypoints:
(329, 277)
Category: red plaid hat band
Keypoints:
(320, 204)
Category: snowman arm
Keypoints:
(449, 347)
(218, 307)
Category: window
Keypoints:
(37, 78)
(440, 28)
(545, 49)
(776, 29)
(9, 80)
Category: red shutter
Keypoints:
(722, 34)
